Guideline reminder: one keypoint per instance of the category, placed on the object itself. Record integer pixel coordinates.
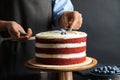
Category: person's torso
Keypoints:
(35, 14)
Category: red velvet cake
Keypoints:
(54, 48)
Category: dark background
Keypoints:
(101, 21)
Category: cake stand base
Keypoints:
(63, 72)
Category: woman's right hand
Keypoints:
(14, 30)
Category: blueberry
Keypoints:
(109, 67)
(101, 68)
(105, 68)
(118, 71)
(112, 72)
(99, 72)
(107, 72)
(63, 33)
(104, 72)
(95, 69)
(109, 79)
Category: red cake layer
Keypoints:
(57, 61)
(60, 61)
(53, 41)
(60, 50)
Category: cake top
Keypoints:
(57, 34)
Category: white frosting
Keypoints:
(57, 34)
(67, 45)
(62, 56)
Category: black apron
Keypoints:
(35, 14)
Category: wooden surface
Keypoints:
(61, 75)
(62, 72)
(89, 63)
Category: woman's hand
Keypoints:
(71, 19)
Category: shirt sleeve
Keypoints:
(60, 6)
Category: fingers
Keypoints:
(29, 33)
(26, 36)
(63, 22)
(72, 19)
(13, 29)
(77, 20)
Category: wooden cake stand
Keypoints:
(64, 71)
